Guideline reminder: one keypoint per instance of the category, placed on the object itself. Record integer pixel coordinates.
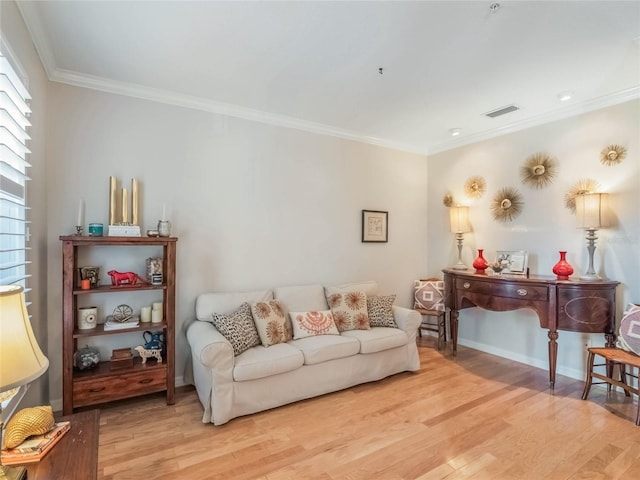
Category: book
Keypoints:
(115, 325)
(35, 447)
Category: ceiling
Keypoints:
(316, 65)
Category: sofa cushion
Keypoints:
(349, 310)
(369, 288)
(238, 328)
(380, 310)
(378, 339)
(322, 348)
(259, 362)
(222, 302)
(273, 327)
(307, 324)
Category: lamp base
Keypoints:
(12, 473)
(590, 277)
(460, 266)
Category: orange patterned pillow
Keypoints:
(308, 324)
(349, 310)
(273, 327)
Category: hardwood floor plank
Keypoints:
(473, 417)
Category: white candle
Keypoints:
(145, 314)
(156, 316)
(80, 213)
(125, 206)
(164, 212)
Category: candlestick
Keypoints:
(134, 201)
(125, 206)
(112, 200)
(164, 212)
(80, 221)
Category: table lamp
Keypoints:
(591, 216)
(459, 222)
(21, 360)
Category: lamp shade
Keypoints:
(591, 210)
(21, 360)
(459, 219)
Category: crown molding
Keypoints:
(604, 101)
(32, 20)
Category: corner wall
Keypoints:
(545, 226)
(254, 206)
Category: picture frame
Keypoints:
(518, 261)
(375, 226)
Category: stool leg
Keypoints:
(623, 378)
(587, 382)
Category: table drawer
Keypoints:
(504, 288)
(89, 391)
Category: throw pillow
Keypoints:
(380, 311)
(308, 324)
(349, 310)
(238, 328)
(273, 327)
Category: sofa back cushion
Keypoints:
(369, 288)
(220, 302)
(301, 298)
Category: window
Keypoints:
(14, 121)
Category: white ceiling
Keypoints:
(315, 65)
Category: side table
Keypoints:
(75, 457)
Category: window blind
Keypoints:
(14, 122)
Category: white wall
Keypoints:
(253, 205)
(16, 35)
(545, 225)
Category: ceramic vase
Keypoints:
(562, 269)
(480, 264)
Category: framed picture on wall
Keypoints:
(375, 226)
(516, 261)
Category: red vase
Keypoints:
(562, 269)
(480, 264)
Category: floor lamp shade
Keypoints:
(21, 360)
(459, 219)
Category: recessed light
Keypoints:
(564, 96)
(455, 132)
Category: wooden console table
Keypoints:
(75, 456)
(572, 305)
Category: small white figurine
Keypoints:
(145, 353)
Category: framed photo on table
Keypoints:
(375, 226)
(517, 261)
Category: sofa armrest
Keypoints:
(213, 363)
(407, 319)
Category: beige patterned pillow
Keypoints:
(380, 310)
(308, 324)
(238, 328)
(349, 310)
(273, 327)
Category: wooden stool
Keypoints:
(440, 325)
(613, 357)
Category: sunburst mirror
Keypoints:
(506, 204)
(613, 155)
(582, 186)
(475, 187)
(538, 170)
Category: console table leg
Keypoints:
(553, 356)
(454, 331)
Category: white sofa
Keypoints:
(261, 378)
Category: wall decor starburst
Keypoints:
(582, 186)
(506, 204)
(448, 200)
(612, 155)
(538, 170)
(475, 187)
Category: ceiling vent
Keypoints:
(502, 111)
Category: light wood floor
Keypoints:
(475, 417)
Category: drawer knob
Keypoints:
(466, 284)
(522, 292)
